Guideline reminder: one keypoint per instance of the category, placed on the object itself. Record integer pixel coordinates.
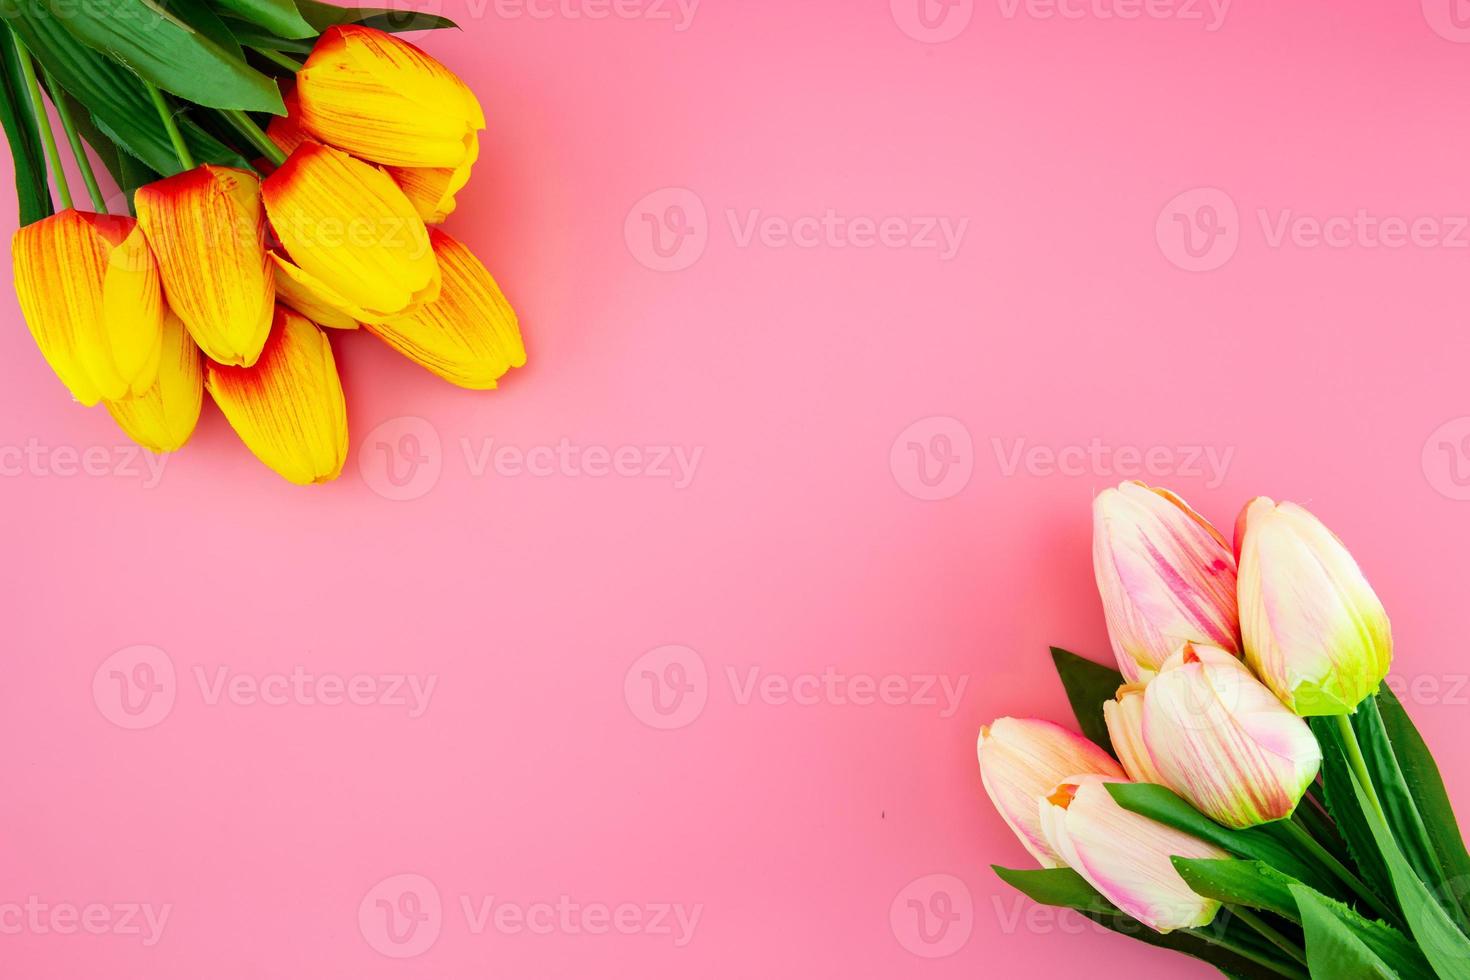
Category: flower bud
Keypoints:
(1022, 759)
(1124, 717)
(1221, 739)
(1313, 628)
(1126, 855)
(1166, 577)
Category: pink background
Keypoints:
(1335, 376)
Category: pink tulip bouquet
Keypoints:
(1248, 792)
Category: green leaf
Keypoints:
(253, 37)
(1256, 885)
(1446, 948)
(1065, 888)
(1167, 807)
(279, 17)
(1426, 786)
(1088, 685)
(154, 44)
(198, 15)
(33, 193)
(118, 102)
(1342, 804)
(1333, 949)
(325, 15)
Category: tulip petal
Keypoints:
(382, 99)
(313, 298)
(346, 224)
(1023, 758)
(288, 408)
(1222, 740)
(469, 335)
(432, 189)
(163, 418)
(208, 229)
(1314, 630)
(88, 287)
(1165, 575)
(1124, 717)
(1124, 855)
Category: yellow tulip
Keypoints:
(382, 99)
(163, 418)
(352, 234)
(208, 230)
(432, 189)
(89, 289)
(469, 335)
(288, 408)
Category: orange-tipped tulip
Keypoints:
(353, 237)
(89, 289)
(207, 228)
(288, 409)
(382, 99)
(469, 335)
(163, 418)
(1124, 717)
(432, 189)
(1022, 759)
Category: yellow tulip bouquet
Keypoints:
(1249, 791)
(283, 167)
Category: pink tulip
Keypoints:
(1314, 630)
(1021, 759)
(1124, 717)
(1166, 576)
(1125, 856)
(1221, 739)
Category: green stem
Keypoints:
(1338, 869)
(43, 123)
(1359, 764)
(78, 148)
(241, 121)
(277, 57)
(171, 126)
(1276, 939)
(1254, 955)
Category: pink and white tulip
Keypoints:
(1313, 629)
(1124, 717)
(1021, 760)
(1165, 574)
(1219, 738)
(1124, 855)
